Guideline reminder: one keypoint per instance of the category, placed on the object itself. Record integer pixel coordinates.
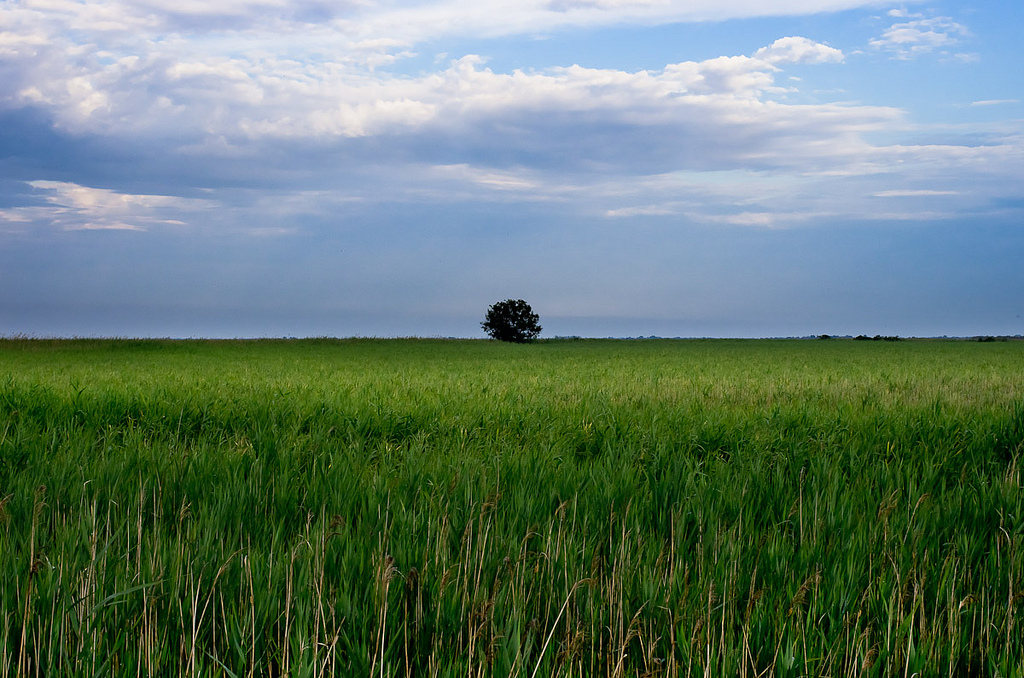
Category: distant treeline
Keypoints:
(879, 337)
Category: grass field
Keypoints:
(470, 508)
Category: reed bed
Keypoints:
(468, 508)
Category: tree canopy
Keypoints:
(512, 320)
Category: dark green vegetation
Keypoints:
(512, 320)
(584, 508)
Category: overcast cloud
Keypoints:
(282, 167)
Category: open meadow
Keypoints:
(473, 508)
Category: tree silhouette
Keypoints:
(512, 320)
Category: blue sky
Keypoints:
(629, 167)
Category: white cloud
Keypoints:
(497, 180)
(920, 35)
(491, 18)
(995, 102)
(355, 21)
(798, 50)
(912, 193)
(274, 75)
(645, 211)
(758, 219)
(913, 215)
(719, 109)
(72, 195)
(14, 44)
(105, 225)
(75, 207)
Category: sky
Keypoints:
(699, 168)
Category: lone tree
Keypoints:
(512, 320)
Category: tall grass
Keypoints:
(422, 508)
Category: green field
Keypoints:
(470, 508)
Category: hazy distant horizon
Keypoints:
(370, 326)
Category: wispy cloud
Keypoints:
(995, 102)
(899, 193)
(70, 206)
(642, 211)
(492, 179)
(919, 34)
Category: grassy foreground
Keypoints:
(467, 508)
